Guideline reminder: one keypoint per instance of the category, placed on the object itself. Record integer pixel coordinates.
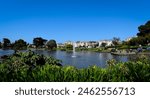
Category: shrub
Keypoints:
(29, 66)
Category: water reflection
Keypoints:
(6, 52)
(82, 59)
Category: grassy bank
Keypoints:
(28, 66)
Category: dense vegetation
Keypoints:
(6, 43)
(39, 42)
(29, 66)
(51, 45)
(19, 45)
(143, 37)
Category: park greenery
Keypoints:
(51, 45)
(39, 42)
(142, 38)
(19, 45)
(29, 66)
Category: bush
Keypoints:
(29, 66)
(20, 66)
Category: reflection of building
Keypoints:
(107, 42)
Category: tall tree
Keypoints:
(51, 44)
(6, 43)
(143, 37)
(20, 45)
(144, 29)
(39, 42)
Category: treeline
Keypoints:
(21, 44)
(143, 39)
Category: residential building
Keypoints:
(108, 42)
(69, 42)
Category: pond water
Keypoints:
(79, 59)
(6, 52)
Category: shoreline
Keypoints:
(133, 53)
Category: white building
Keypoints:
(108, 42)
(80, 44)
(69, 42)
(128, 39)
(89, 44)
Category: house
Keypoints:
(80, 44)
(107, 42)
(69, 42)
(92, 44)
(89, 44)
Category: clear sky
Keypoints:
(75, 20)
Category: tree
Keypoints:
(144, 29)
(39, 42)
(69, 47)
(143, 37)
(6, 43)
(51, 44)
(115, 41)
(20, 45)
(139, 40)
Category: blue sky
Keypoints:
(75, 20)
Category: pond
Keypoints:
(81, 59)
(6, 52)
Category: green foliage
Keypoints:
(20, 66)
(69, 47)
(139, 40)
(144, 29)
(124, 47)
(6, 43)
(51, 44)
(20, 45)
(143, 37)
(29, 66)
(39, 42)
